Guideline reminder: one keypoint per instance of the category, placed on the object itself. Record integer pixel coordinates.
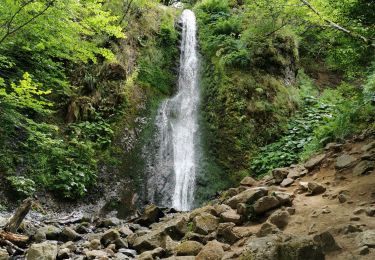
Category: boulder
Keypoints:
(266, 203)
(366, 238)
(287, 182)
(243, 209)
(342, 198)
(327, 242)
(96, 254)
(68, 234)
(364, 167)
(121, 243)
(279, 218)
(206, 209)
(70, 245)
(42, 251)
(128, 252)
(248, 196)
(153, 254)
(151, 214)
(95, 244)
(230, 216)
(248, 182)
(188, 248)
(47, 232)
(4, 254)
(109, 222)
(262, 248)
(109, 237)
(279, 174)
(315, 188)
(63, 253)
(221, 208)
(344, 161)
(314, 161)
(297, 171)
(205, 223)
(125, 231)
(267, 229)
(368, 146)
(213, 250)
(301, 248)
(226, 234)
(283, 197)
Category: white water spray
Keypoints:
(177, 121)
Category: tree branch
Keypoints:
(338, 27)
(10, 32)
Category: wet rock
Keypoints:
(205, 223)
(188, 248)
(247, 196)
(344, 161)
(110, 236)
(4, 254)
(266, 203)
(230, 216)
(47, 232)
(370, 212)
(153, 254)
(287, 182)
(315, 188)
(279, 174)
(267, 229)
(279, 218)
(213, 250)
(315, 161)
(42, 251)
(342, 198)
(248, 182)
(364, 167)
(68, 234)
(96, 254)
(366, 238)
(151, 215)
(327, 242)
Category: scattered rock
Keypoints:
(333, 146)
(4, 254)
(342, 198)
(279, 174)
(63, 253)
(297, 171)
(368, 146)
(47, 232)
(109, 222)
(286, 182)
(205, 223)
(110, 236)
(366, 238)
(267, 229)
(314, 161)
(151, 215)
(230, 216)
(188, 248)
(358, 211)
(128, 252)
(283, 197)
(95, 244)
(247, 196)
(96, 254)
(355, 218)
(344, 161)
(149, 255)
(225, 233)
(327, 242)
(266, 203)
(364, 167)
(364, 250)
(42, 251)
(249, 182)
(125, 231)
(206, 209)
(291, 210)
(213, 250)
(370, 212)
(315, 188)
(68, 234)
(279, 218)
(351, 229)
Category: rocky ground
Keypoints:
(324, 209)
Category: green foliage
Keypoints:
(22, 185)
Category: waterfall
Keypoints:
(172, 178)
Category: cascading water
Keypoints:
(172, 178)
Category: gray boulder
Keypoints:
(42, 251)
(279, 218)
(68, 234)
(279, 174)
(205, 223)
(187, 248)
(315, 161)
(344, 161)
(266, 203)
(213, 250)
(247, 196)
(364, 167)
(327, 242)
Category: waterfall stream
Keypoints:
(173, 171)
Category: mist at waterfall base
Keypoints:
(173, 165)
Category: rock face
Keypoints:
(213, 250)
(42, 251)
(187, 248)
(266, 203)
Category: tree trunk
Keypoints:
(21, 212)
